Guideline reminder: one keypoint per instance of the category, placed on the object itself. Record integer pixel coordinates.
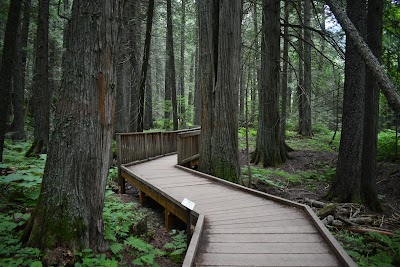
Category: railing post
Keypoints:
(161, 144)
(121, 180)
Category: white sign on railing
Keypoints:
(188, 204)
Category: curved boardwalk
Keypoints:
(241, 227)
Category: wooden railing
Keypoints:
(134, 147)
(188, 147)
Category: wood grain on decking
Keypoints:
(241, 229)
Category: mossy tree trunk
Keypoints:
(219, 50)
(69, 212)
(270, 150)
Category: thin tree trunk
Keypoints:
(170, 77)
(122, 112)
(369, 193)
(257, 83)
(182, 109)
(285, 71)
(41, 98)
(148, 114)
(386, 85)
(134, 35)
(145, 64)
(6, 68)
(18, 125)
(305, 128)
(69, 212)
(242, 97)
(197, 96)
(300, 84)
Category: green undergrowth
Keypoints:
(20, 182)
(371, 249)
(279, 178)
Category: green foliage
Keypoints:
(145, 253)
(321, 141)
(87, 259)
(242, 137)
(387, 145)
(119, 217)
(177, 248)
(372, 249)
(279, 178)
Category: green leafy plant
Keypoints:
(387, 145)
(372, 249)
(87, 259)
(177, 248)
(145, 253)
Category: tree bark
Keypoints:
(257, 83)
(269, 144)
(224, 148)
(301, 95)
(170, 77)
(182, 101)
(18, 124)
(369, 194)
(219, 62)
(135, 30)
(284, 74)
(41, 97)
(346, 186)
(305, 127)
(386, 85)
(122, 112)
(69, 212)
(145, 64)
(148, 113)
(7, 61)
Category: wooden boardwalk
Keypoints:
(236, 226)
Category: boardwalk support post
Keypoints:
(188, 226)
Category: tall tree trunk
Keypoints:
(18, 125)
(41, 97)
(170, 77)
(369, 193)
(160, 87)
(122, 112)
(386, 85)
(145, 64)
(69, 212)
(197, 96)
(346, 186)
(300, 83)
(6, 68)
(284, 74)
(182, 105)
(305, 127)
(148, 113)
(257, 83)
(219, 62)
(135, 30)
(269, 144)
(224, 148)
(207, 14)
(242, 96)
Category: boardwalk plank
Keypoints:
(264, 238)
(240, 229)
(307, 229)
(326, 260)
(266, 248)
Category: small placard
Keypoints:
(188, 204)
